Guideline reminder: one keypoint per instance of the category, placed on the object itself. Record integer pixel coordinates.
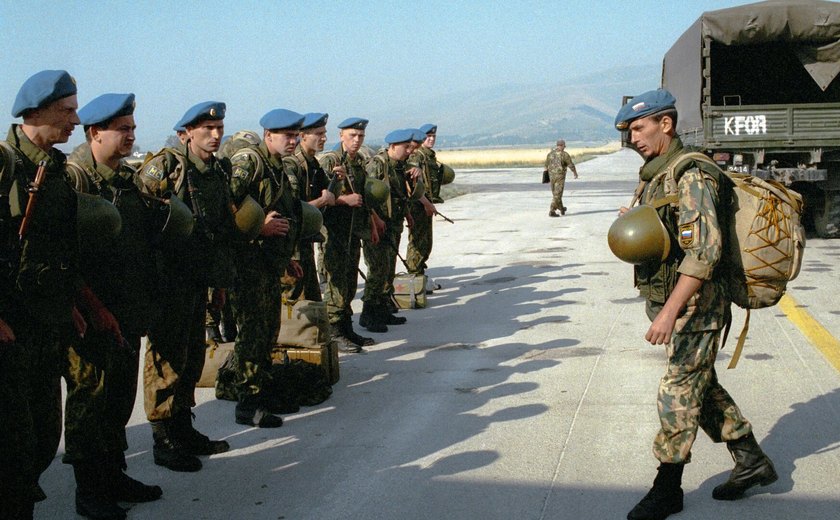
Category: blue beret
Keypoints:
(179, 128)
(314, 120)
(106, 107)
(429, 128)
(202, 111)
(644, 105)
(399, 136)
(418, 135)
(281, 119)
(43, 88)
(354, 122)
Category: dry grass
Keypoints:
(514, 157)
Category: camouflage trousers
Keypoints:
(558, 183)
(691, 396)
(30, 409)
(257, 300)
(175, 354)
(381, 260)
(342, 252)
(309, 282)
(216, 317)
(419, 240)
(101, 379)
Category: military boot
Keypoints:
(193, 441)
(752, 467)
(664, 498)
(123, 488)
(349, 333)
(339, 337)
(390, 319)
(365, 316)
(377, 323)
(92, 499)
(250, 412)
(168, 451)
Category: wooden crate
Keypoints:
(325, 356)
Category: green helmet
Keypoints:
(376, 191)
(448, 174)
(639, 236)
(239, 140)
(179, 220)
(96, 219)
(419, 190)
(311, 220)
(249, 218)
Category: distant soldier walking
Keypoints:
(556, 163)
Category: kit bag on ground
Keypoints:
(303, 323)
(545, 177)
(215, 355)
(410, 291)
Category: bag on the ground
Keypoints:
(303, 323)
(545, 178)
(410, 291)
(215, 355)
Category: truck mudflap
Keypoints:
(827, 215)
(788, 176)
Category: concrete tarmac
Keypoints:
(525, 390)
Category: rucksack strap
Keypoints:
(670, 173)
(742, 338)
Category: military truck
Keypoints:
(756, 89)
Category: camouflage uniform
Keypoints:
(260, 265)
(420, 235)
(556, 163)
(40, 276)
(308, 179)
(346, 227)
(689, 392)
(101, 376)
(381, 258)
(175, 354)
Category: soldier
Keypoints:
(175, 353)
(687, 305)
(347, 223)
(420, 233)
(101, 374)
(389, 165)
(556, 163)
(40, 277)
(311, 184)
(258, 172)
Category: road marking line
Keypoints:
(819, 336)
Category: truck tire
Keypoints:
(827, 216)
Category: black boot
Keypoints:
(168, 452)
(250, 412)
(365, 316)
(92, 500)
(349, 333)
(377, 319)
(342, 342)
(752, 467)
(664, 498)
(391, 319)
(123, 488)
(193, 441)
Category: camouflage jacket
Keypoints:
(557, 161)
(258, 173)
(206, 257)
(40, 274)
(382, 167)
(122, 272)
(696, 241)
(425, 159)
(339, 216)
(306, 175)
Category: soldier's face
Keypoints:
(314, 139)
(281, 142)
(651, 138)
(55, 121)
(118, 139)
(399, 151)
(430, 141)
(413, 145)
(206, 137)
(352, 139)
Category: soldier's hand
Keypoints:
(374, 234)
(7, 335)
(354, 200)
(409, 220)
(622, 210)
(79, 322)
(378, 222)
(428, 206)
(275, 225)
(414, 173)
(327, 198)
(294, 269)
(103, 321)
(340, 171)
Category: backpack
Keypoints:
(764, 239)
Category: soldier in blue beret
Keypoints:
(690, 396)
(175, 353)
(38, 290)
(348, 222)
(101, 375)
(311, 184)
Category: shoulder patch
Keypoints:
(154, 172)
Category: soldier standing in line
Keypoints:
(389, 165)
(310, 182)
(102, 375)
(422, 211)
(175, 354)
(348, 223)
(41, 275)
(556, 163)
(258, 172)
(688, 307)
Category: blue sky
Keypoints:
(343, 57)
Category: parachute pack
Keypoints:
(764, 238)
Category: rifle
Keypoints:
(34, 188)
(444, 217)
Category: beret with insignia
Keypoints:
(354, 122)
(399, 136)
(314, 120)
(429, 128)
(644, 105)
(106, 107)
(281, 119)
(214, 110)
(43, 88)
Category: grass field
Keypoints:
(514, 157)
